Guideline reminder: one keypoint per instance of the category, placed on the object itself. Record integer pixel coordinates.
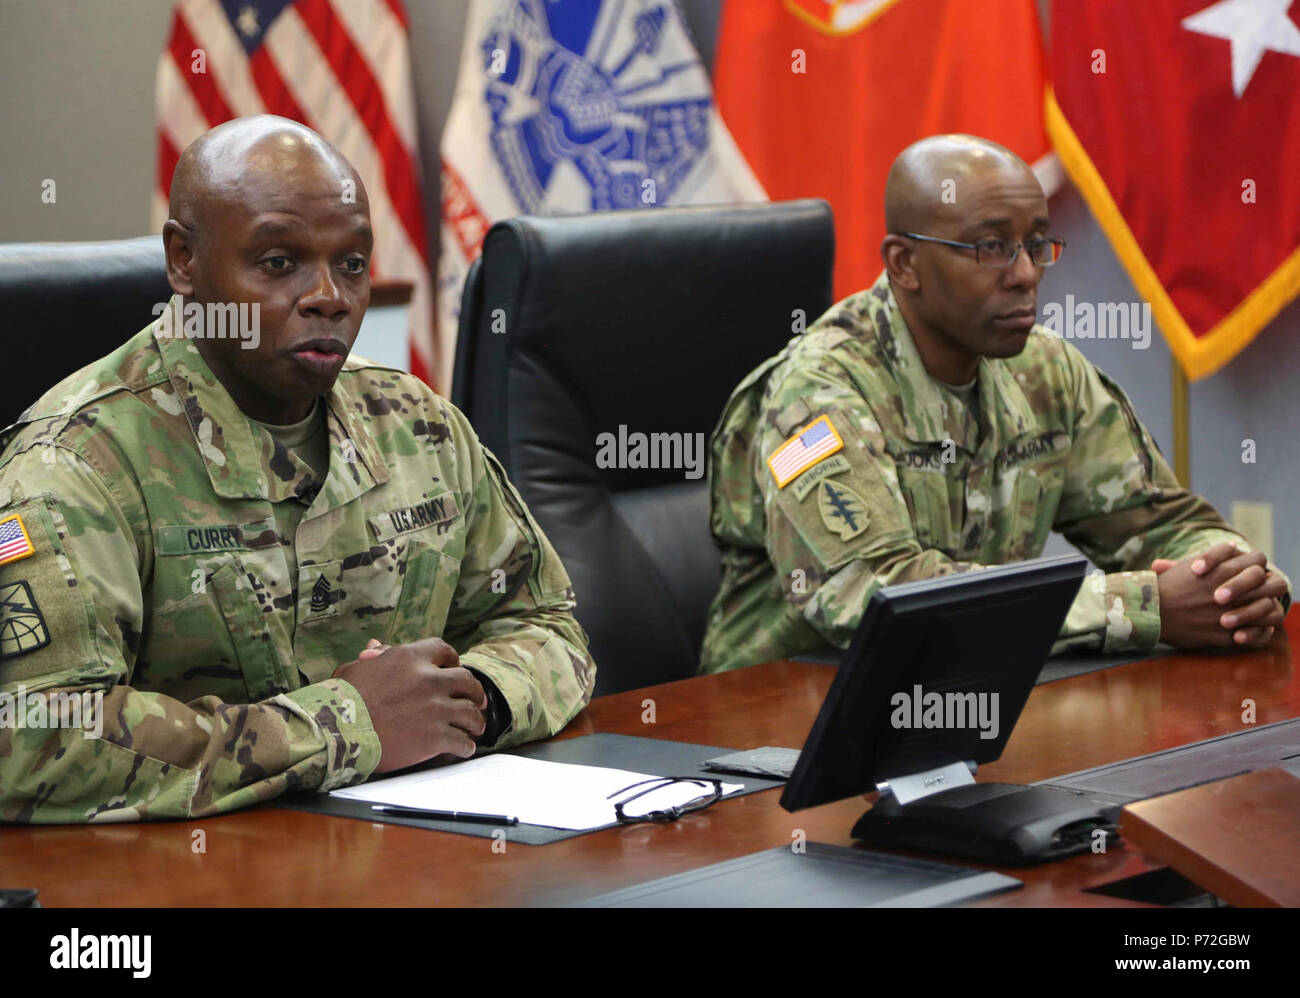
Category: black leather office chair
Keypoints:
(64, 305)
(573, 327)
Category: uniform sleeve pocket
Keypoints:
(548, 581)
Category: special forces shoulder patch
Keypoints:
(844, 512)
(22, 627)
(14, 540)
(814, 442)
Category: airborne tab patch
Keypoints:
(834, 465)
(815, 441)
(14, 540)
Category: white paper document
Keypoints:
(555, 794)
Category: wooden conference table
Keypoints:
(275, 857)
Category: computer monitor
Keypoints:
(938, 673)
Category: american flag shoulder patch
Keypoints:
(14, 540)
(815, 441)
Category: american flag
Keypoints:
(341, 67)
(803, 450)
(14, 542)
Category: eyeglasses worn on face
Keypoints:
(998, 253)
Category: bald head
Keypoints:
(266, 214)
(246, 158)
(966, 220)
(929, 177)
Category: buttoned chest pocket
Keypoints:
(428, 589)
(926, 495)
(370, 591)
(397, 588)
(432, 532)
(1037, 495)
(216, 640)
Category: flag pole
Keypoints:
(1182, 439)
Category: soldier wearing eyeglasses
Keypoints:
(926, 425)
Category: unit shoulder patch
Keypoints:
(22, 625)
(843, 512)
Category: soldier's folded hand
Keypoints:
(422, 702)
(1220, 598)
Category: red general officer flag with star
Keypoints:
(821, 95)
(1177, 120)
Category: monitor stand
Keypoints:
(943, 811)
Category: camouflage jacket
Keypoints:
(158, 577)
(903, 481)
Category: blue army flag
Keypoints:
(565, 106)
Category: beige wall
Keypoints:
(78, 80)
(77, 76)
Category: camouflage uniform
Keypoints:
(190, 568)
(924, 485)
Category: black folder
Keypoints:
(1172, 769)
(640, 755)
(823, 876)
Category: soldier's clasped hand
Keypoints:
(422, 702)
(1221, 597)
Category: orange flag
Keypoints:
(821, 95)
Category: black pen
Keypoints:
(415, 812)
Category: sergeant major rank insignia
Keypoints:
(320, 595)
(843, 511)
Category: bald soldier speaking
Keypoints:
(276, 568)
(926, 426)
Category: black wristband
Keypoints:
(497, 717)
